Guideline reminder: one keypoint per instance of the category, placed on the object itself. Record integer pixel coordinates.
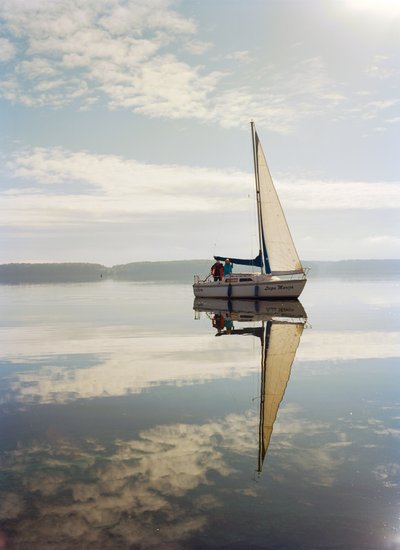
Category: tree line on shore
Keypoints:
(174, 271)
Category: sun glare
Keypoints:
(388, 8)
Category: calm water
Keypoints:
(126, 423)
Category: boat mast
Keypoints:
(256, 176)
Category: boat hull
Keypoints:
(255, 287)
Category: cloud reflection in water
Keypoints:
(113, 362)
(165, 485)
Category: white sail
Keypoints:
(279, 349)
(276, 241)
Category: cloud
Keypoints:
(7, 50)
(373, 109)
(379, 68)
(128, 55)
(325, 195)
(239, 55)
(197, 47)
(131, 56)
(80, 196)
(114, 188)
(37, 68)
(293, 94)
(107, 188)
(385, 240)
(101, 47)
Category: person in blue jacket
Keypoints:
(227, 268)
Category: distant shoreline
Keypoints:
(181, 271)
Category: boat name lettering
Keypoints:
(279, 287)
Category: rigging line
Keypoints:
(219, 226)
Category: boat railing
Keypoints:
(197, 279)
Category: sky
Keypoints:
(125, 127)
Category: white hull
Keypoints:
(251, 286)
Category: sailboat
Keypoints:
(282, 274)
(282, 325)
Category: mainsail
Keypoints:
(279, 345)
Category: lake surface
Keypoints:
(126, 423)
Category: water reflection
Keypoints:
(131, 428)
(280, 330)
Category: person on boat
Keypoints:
(218, 322)
(228, 325)
(227, 268)
(217, 271)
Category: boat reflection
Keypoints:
(281, 327)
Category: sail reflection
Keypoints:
(281, 327)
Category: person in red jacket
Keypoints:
(217, 271)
